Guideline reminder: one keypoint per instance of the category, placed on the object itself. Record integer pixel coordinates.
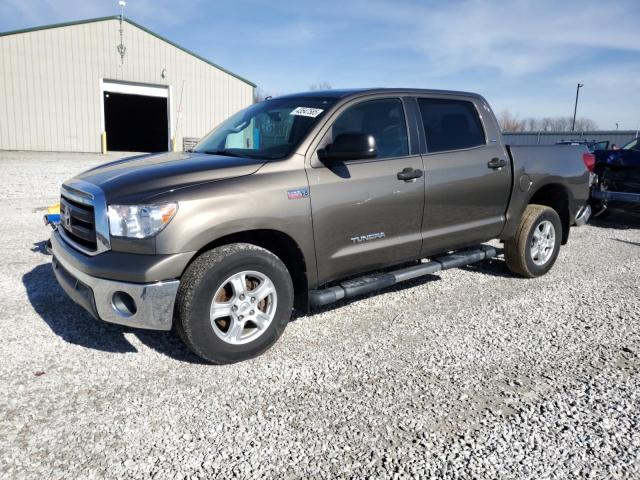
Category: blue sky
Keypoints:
(525, 56)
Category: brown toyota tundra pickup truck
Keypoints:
(304, 200)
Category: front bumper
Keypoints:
(140, 305)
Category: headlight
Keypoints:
(140, 221)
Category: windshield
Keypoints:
(267, 130)
(632, 145)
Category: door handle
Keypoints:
(408, 174)
(496, 163)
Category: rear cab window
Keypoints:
(450, 124)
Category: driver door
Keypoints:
(364, 216)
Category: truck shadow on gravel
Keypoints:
(496, 267)
(347, 301)
(493, 266)
(617, 220)
(40, 247)
(71, 323)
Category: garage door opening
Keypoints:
(135, 123)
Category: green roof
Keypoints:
(117, 17)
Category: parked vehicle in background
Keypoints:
(295, 200)
(618, 179)
(592, 145)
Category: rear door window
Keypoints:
(450, 124)
(384, 119)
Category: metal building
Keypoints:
(80, 86)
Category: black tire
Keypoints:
(517, 250)
(200, 282)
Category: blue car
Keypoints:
(618, 179)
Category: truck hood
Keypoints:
(145, 176)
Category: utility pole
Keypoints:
(575, 109)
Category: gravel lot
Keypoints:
(470, 374)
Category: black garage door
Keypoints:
(135, 123)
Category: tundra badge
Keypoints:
(366, 238)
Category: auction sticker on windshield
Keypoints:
(307, 112)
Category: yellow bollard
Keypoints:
(54, 209)
(104, 142)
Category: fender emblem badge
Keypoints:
(298, 193)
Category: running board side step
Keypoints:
(371, 283)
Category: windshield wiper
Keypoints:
(229, 153)
(226, 153)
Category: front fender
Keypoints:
(255, 202)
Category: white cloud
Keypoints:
(525, 44)
(514, 37)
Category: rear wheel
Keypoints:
(534, 248)
(234, 302)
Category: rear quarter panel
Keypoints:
(537, 166)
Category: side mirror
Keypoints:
(349, 146)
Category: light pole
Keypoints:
(121, 48)
(575, 109)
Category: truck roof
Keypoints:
(349, 92)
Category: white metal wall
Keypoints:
(50, 96)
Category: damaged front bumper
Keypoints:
(617, 188)
(608, 196)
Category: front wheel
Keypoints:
(234, 302)
(534, 248)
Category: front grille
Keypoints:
(78, 221)
(84, 224)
